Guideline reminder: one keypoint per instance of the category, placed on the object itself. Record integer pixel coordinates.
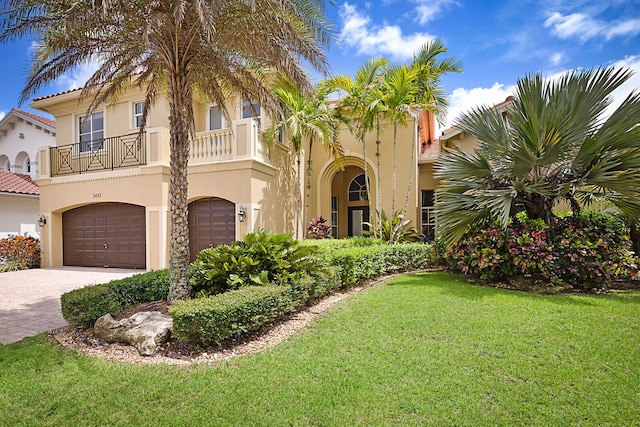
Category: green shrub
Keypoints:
(262, 258)
(209, 321)
(21, 252)
(358, 263)
(82, 307)
(583, 253)
(140, 288)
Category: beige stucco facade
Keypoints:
(232, 164)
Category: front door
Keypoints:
(357, 216)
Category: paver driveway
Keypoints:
(30, 299)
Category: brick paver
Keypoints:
(30, 299)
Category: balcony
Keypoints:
(240, 142)
(91, 156)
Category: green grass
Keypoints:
(424, 349)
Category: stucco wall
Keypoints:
(17, 211)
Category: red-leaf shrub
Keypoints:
(584, 254)
(20, 250)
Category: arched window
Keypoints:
(358, 189)
(4, 163)
(27, 166)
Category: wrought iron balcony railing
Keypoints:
(92, 156)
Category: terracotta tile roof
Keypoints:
(17, 183)
(37, 118)
(55, 94)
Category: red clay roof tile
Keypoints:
(17, 183)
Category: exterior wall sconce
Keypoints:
(42, 220)
(242, 215)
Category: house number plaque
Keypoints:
(97, 195)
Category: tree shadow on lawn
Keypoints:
(460, 286)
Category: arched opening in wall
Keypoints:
(5, 164)
(212, 222)
(349, 204)
(105, 235)
(23, 163)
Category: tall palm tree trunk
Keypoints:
(308, 189)
(299, 195)
(378, 185)
(180, 122)
(393, 180)
(366, 174)
(411, 171)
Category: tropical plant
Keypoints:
(261, 258)
(392, 230)
(306, 116)
(429, 93)
(178, 47)
(318, 228)
(361, 102)
(555, 144)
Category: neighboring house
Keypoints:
(104, 190)
(19, 205)
(21, 134)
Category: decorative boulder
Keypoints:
(145, 330)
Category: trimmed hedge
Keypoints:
(82, 307)
(211, 320)
(365, 262)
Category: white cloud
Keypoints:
(77, 78)
(386, 40)
(2, 114)
(583, 27)
(557, 58)
(428, 10)
(463, 100)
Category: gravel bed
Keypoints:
(82, 340)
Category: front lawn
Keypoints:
(423, 349)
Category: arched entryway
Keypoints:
(105, 235)
(212, 222)
(349, 203)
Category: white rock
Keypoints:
(145, 330)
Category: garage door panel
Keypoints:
(211, 223)
(105, 235)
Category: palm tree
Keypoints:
(362, 101)
(429, 93)
(555, 144)
(178, 48)
(305, 116)
(401, 94)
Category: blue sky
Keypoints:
(497, 42)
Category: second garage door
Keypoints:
(105, 235)
(212, 222)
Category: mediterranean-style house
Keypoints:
(104, 187)
(21, 134)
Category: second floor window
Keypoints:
(91, 131)
(216, 118)
(250, 109)
(138, 108)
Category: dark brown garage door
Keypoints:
(105, 235)
(212, 222)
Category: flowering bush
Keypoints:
(318, 229)
(20, 252)
(583, 254)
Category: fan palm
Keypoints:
(306, 116)
(175, 48)
(555, 143)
